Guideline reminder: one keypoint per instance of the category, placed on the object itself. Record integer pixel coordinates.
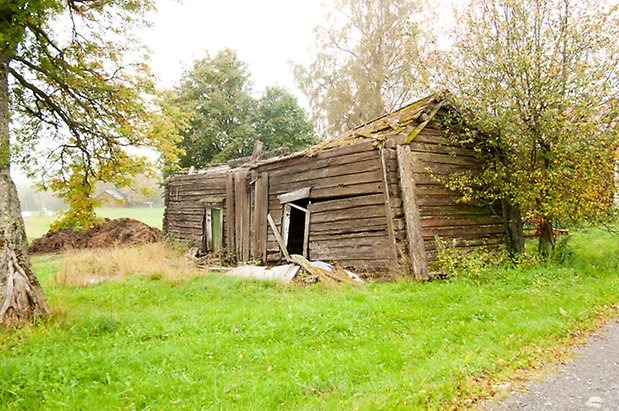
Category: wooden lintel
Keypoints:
(414, 236)
(212, 200)
(294, 195)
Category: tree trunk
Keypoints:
(513, 224)
(546, 238)
(21, 296)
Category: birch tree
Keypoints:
(365, 61)
(76, 104)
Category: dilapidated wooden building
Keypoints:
(371, 200)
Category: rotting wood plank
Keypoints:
(260, 216)
(316, 165)
(463, 230)
(418, 147)
(388, 210)
(468, 242)
(321, 236)
(336, 253)
(451, 221)
(416, 248)
(349, 226)
(328, 182)
(294, 195)
(444, 159)
(433, 168)
(342, 151)
(230, 214)
(310, 174)
(459, 209)
(446, 200)
(347, 203)
(278, 237)
(347, 190)
(356, 213)
(352, 243)
(242, 215)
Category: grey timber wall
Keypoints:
(457, 224)
(184, 204)
(348, 217)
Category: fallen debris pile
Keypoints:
(300, 271)
(109, 233)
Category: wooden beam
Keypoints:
(295, 195)
(306, 231)
(389, 211)
(414, 236)
(278, 237)
(230, 214)
(242, 213)
(261, 205)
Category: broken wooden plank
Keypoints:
(278, 237)
(260, 216)
(389, 212)
(230, 214)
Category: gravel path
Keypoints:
(589, 382)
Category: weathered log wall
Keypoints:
(456, 223)
(348, 218)
(185, 197)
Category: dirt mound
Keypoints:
(110, 233)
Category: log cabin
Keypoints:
(372, 200)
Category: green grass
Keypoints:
(37, 226)
(222, 343)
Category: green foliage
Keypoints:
(281, 122)
(472, 261)
(216, 93)
(365, 62)
(218, 342)
(541, 80)
(79, 96)
(224, 120)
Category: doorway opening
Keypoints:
(296, 227)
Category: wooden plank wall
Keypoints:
(348, 214)
(459, 224)
(184, 212)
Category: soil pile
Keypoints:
(110, 233)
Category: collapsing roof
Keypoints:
(371, 199)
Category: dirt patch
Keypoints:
(109, 233)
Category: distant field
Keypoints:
(37, 226)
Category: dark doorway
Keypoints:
(296, 231)
(295, 226)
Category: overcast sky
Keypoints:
(267, 35)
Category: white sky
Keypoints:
(266, 34)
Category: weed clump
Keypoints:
(155, 261)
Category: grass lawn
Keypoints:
(37, 226)
(223, 343)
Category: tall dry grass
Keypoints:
(157, 261)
